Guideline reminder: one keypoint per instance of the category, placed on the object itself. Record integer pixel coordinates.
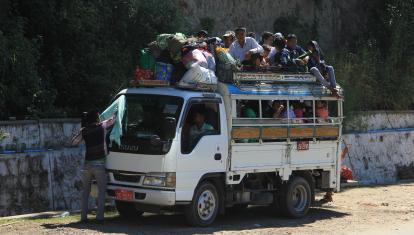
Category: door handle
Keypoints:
(217, 156)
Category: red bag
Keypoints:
(143, 74)
(346, 173)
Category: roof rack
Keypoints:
(149, 83)
(269, 77)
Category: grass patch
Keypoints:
(8, 221)
(57, 219)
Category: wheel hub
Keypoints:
(299, 198)
(206, 205)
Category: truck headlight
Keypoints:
(160, 179)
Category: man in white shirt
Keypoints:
(243, 47)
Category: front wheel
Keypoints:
(204, 207)
(295, 198)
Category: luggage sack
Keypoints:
(163, 71)
(198, 77)
(146, 60)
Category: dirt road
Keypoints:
(363, 210)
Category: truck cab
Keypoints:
(200, 153)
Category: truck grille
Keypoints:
(127, 177)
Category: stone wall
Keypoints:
(43, 181)
(380, 144)
(44, 173)
(330, 22)
(41, 134)
(39, 169)
(375, 158)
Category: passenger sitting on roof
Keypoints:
(228, 38)
(281, 111)
(243, 46)
(252, 35)
(290, 58)
(256, 62)
(267, 38)
(202, 34)
(279, 44)
(317, 66)
(266, 54)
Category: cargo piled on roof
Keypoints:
(199, 62)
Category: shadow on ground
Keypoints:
(251, 218)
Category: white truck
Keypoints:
(204, 152)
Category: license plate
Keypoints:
(122, 194)
(303, 145)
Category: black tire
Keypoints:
(127, 209)
(295, 198)
(203, 209)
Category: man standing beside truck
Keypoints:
(94, 135)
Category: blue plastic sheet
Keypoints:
(117, 105)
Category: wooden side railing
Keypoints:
(266, 130)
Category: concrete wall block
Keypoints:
(374, 120)
(25, 186)
(66, 178)
(57, 134)
(43, 134)
(374, 157)
(23, 135)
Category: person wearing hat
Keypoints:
(228, 38)
(244, 47)
(202, 34)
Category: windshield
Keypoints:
(143, 118)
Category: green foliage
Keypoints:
(379, 74)
(18, 72)
(62, 57)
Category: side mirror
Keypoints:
(168, 128)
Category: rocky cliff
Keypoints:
(330, 22)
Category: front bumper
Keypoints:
(157, 197)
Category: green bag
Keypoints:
(163, 39)
(146, 60)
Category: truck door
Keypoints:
(203, 144)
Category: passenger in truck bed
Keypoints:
(322, 112)
(281, 111)
(299, 111)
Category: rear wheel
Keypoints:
(204, 207)
(295, 198)
(127, 209)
